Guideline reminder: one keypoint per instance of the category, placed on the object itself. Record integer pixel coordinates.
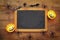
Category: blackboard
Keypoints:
(31, 19)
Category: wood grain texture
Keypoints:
(53, 32)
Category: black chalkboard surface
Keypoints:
(31, 19)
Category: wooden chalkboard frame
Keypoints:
(30, 30)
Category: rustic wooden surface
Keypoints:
(6, 16)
